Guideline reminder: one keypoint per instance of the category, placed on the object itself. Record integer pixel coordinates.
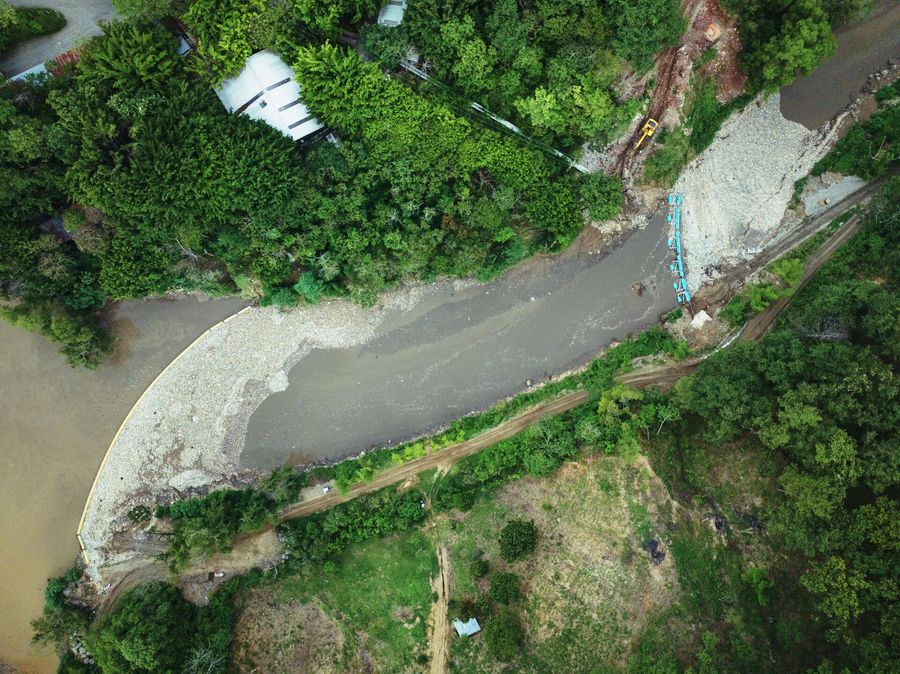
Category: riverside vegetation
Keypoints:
(123, 176)
(154, 187)
(787, 444)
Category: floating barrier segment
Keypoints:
(674, 217)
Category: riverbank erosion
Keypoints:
(363, 377)
(741, 195)
(186, 432)
(737, 192)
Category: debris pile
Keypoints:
(653, 549)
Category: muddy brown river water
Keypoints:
(55, 425)
(56, 422)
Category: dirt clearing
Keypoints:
(282, 637)
(439, 646)
(590, 588)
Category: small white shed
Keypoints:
(266, 90)
(392, 13)
(468, 628)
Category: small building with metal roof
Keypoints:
(392, 13)
(266, 90)
(468, 628)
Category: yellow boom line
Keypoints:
(124, 423)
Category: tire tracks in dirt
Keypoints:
(439, 644)
(153, 570)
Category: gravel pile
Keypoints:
(187, 430)
(736, 193)
(827, 189)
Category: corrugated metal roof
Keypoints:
(392, 13)
(266, 90)
(468, 628)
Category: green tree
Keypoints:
(837, 591)
(783, 40)
(643, 27)
(150, 631)
(504, 588)
(602, 195)
(130, 56)
(228, 32)
(387, 44)
(518, 538)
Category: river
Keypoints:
(462, 350)
(55, 425)
(862, 48)
(438, 361)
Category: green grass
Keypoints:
(364, 590)
(868, 150)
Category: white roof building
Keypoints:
(392, 13)
(468, 628)
(266, 90)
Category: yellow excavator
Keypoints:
(648, 130)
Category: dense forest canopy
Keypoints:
(155, 187)
(548, 65)
(125, 177)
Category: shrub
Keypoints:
(54, 592)
(479, 567)
(504, 587)
(517, 539)
(601, 195)
(664, 165)
(309, 287)
(503, 635)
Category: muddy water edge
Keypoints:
(55, 425)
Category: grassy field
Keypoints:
(589, 589)
(590, 598)
(366, 610)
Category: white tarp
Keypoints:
(266, 90)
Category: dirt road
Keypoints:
(439, 646)
(135, 573)
(442, 457)
(757, 326)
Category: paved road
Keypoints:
(862, 48)
(461, 351)
(81, 17)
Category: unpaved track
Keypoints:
(153, 570)
(757, 326)
(440, 628)
(662, 377)
(448, 455)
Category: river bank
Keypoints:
(57, 422)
